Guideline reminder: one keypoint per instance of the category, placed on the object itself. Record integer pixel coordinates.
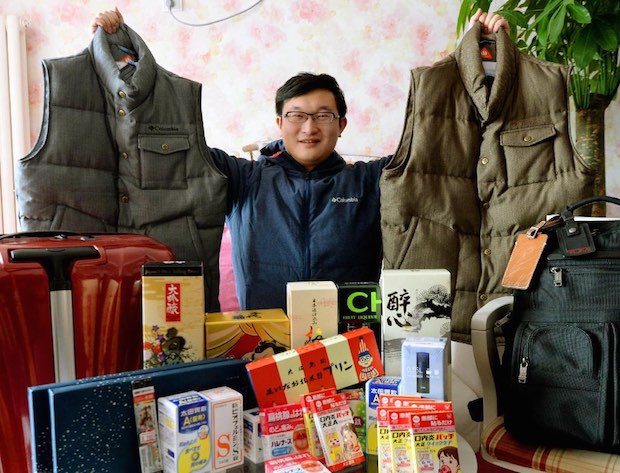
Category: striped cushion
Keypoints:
(501, 445)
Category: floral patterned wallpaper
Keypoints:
(368, 45)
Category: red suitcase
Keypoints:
(70, 307)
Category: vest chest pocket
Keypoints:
(529, 154)
(163, 161)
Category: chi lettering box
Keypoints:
(312, 308)
(252, 441)
(425, 367)
(226, 419)
(172, 312)
(247, 334)
(374, 388)
(184, 429)
(415, 302)
(359, 305)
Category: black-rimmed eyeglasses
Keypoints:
(318, 117)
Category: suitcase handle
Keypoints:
(59, 235)
(590, 200)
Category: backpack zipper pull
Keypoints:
(558, 279)
(522, 378)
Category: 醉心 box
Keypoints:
(312, 308)
(252, 439)
(425, 367)
(185, 432)
(247, 334)
(359, 305)
(415, 302)
(374, 388)
(226, 422)
(172, 312)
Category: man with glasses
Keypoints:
(300, 212)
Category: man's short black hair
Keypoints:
(306, 82)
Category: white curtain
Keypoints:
(14, 114)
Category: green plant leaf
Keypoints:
(556, 24)
(579, 13)
(515, 18)
(584, 46)
(606, 37)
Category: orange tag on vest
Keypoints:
(523, 261)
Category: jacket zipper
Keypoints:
(306, 228)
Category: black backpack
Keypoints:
(562, 357)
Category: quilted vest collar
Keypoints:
(467, 56)
(139, 85)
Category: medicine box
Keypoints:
(247, 334)
(415, 302)
(359, 305)
(184, 428)
(312, 308)
(375, 387)
(226, 420)
(252, 439)
(425, 367)
(172, 312)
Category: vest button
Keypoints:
(487, 251)
(484, 160)
(164, 146)
(527, 138)
(124, 155)
(121, 94)
(483, 297)
(486, 205)
(121, 112)
(124, 199)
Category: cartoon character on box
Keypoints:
(352, 447)
(335, 448)
(264, 349)
(300, 438)
(449, 460)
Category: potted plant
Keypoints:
(583, 34)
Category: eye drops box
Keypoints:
(415, 302)
(375, 387)
(226, 420)
(184, 428)
(425, 367)
(172, 312)
(312, 308)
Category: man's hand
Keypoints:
(491, 23)
(109, 20)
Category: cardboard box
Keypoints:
(247, 334)
(415, 302)
(172, 312)
(312, 308)
(374, 388)
(185, 432)
(359, 305)
(425, 367)
(340, 361)
(226, 420)
(252, 439)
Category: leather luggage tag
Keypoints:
(523, 261)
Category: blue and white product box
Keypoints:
(415, 302)
(374, 388)
(252, 441)
(425, 367)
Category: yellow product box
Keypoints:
(312, 308)
(226, 420)
(185, 437)
(247, 334)
(172, 312)
(415, 303)
(434, 441)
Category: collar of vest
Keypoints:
(469, 62)
(140, 84)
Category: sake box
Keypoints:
(247, 334)
(415, 302)
(359, 305)
(172, 312)
(312, 308)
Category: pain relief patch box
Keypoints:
(415, 302)
(337, 362)
(172, 312)
(247, 334)
(312, 308)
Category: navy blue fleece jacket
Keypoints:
(288, 224)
